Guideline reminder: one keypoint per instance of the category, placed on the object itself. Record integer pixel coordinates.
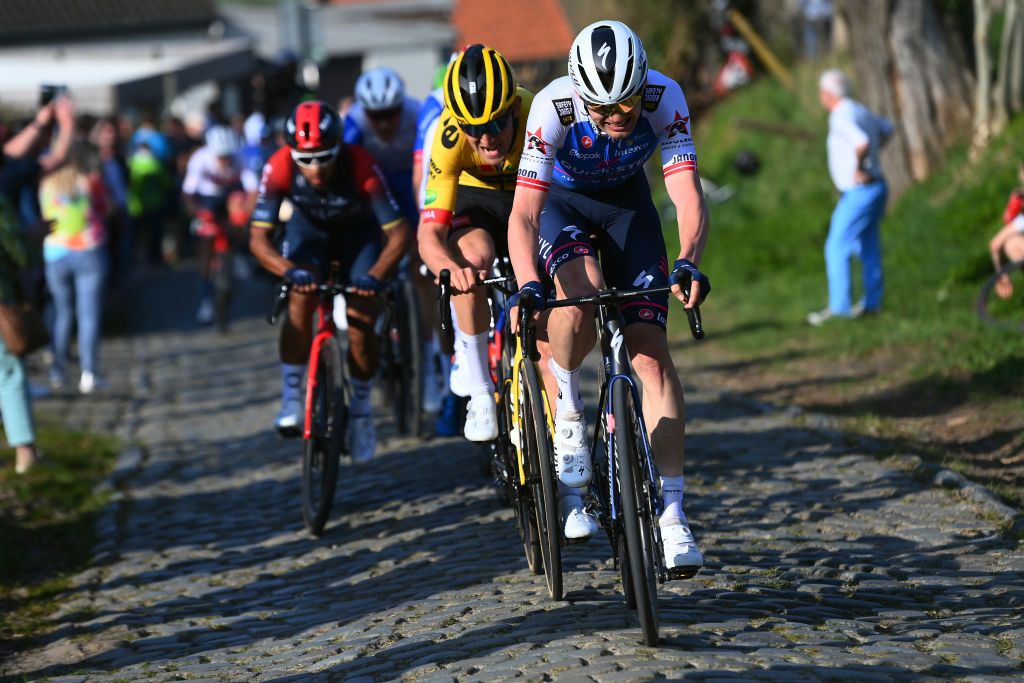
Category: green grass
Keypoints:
(46, 525)
(765, 260)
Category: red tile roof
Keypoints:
(522, 31)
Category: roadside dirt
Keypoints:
(876, 394)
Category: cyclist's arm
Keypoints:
(385, 207)
(439, 200)
(274, 184)
(995, 246)
(523, 229)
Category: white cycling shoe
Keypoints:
(481, 418)
(682, 558)
(204, 316)
(580, 525)
(572, 454)
(362, 438)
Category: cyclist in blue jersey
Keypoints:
(383, 121)
(588, 137)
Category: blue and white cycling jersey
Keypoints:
(429, 112)
(395, 156)
(564, 147)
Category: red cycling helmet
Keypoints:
(313, 127)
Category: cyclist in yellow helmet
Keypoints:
(474, 160)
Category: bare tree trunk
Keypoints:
(911, 70)
(1015, 62)
(983, 69)
(1000, 106)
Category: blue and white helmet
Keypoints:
(607, 63)
(380, 89)
(222, 141)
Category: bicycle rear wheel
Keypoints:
(222, 286)
(543, 489)
(996, 311)
(409, 362)
(327, 430)
(638, 540)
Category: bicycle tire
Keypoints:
(409, 375)
(543, 489)
(639, 564)
(1003, 313)
(516, 495)
(323, 448)
(222, 286)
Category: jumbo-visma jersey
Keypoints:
(454, 162)
(564, 147)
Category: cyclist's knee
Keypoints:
(578, 277)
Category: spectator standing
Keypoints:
(1009, 241)
(74, 198)
(816, 18)
(855, 138)
(15, 399)
(114, 171)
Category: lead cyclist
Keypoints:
(589, 135)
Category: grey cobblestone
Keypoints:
(822, 563)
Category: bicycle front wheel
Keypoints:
(543, 489)
(327, 429)
(638, 544)
(1001, 300)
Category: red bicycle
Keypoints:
(326, 413)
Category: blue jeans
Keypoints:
(15, 403)
(854, 231)
(76, 285)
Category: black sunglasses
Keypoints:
(382, 114)
(478, 130)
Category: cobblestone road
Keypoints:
(823, 563)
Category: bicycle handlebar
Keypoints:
(284, 287)
(610, 296)
(444, 280)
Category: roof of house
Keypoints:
(23, 21)
(524, 31)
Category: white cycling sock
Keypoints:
(474, 355)
(291, 381)
(568, 491)
(361, 391)
(672, 494)
(569, 399)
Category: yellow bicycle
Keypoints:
(524, 462)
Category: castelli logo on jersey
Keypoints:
(646, 313)
(581, 250)
(587, 141)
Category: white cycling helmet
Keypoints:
(607, 63)
(380, 89)
(222, 141)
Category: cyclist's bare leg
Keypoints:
(571, 330)
(472, 247)
(1014, 248)
(297, 328)
(363, 352)
(664, 407)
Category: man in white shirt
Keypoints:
(855, 137)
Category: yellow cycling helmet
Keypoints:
(479, 86)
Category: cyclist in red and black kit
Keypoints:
(342, 212)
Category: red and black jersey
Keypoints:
(356, 193)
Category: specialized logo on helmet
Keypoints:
(603, 53)
(678, 127)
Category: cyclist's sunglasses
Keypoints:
(625, 106)
(314, 159)
(383, 114)
(490, 128)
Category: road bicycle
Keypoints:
(401, 355)
(523, 457)
(625, 490)
(326, 407)
(995, 311)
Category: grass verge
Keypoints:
(46, 526)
